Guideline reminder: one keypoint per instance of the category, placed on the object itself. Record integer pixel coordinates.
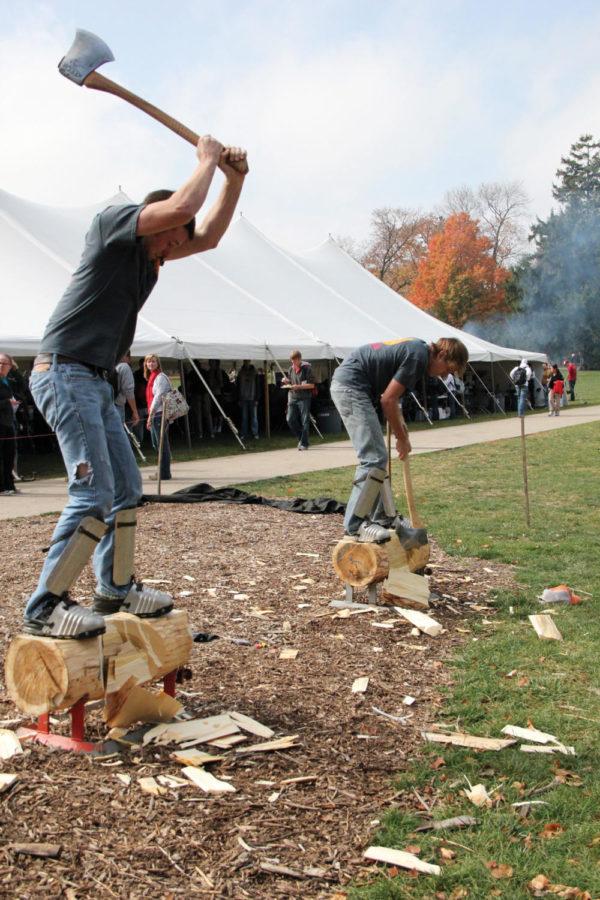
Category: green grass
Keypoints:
(472, 500)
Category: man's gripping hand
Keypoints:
(233, 159)
(209, 148)
(403, 445)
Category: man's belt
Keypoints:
(43, 361)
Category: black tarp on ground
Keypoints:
(205, 493)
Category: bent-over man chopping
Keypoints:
(383, 372)
(89, 331)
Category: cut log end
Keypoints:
(360, 564)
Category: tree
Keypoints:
(500, 208)
(559, 282)
(398, 240)
(459, 278)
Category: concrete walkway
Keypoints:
(50, 495)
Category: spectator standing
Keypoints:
(572, 378)
(8, 405)
(450, 383)
(126, 390)
(20, 409)
(556, 388)
(300, 384)
(520, 376)
(246, 382)
(158, 386)
(215, 378)
(140, 383)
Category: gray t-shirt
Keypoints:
(371, 367)
(304, 376)
(96, 317)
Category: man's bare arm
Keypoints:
(207, 236)
(390, 404)
(187, 200)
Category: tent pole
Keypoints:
(493, 380)
(188, 436)
(215, 401)
(493, 396)
(451, 392)
(266, 399)
(421, 407)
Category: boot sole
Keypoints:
(41, 632)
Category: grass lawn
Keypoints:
(472, 500)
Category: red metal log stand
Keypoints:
(76, 742)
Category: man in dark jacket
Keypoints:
(7, 427)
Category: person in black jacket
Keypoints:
(556, 388)
(7, 427)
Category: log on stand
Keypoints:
(44, 674)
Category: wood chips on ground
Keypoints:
(308, 810)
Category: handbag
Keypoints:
(174, 405)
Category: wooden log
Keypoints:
(363, 564)
(44, 674)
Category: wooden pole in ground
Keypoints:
(160, 449)
(525, 480)
(266, 400)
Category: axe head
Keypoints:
(87, 52)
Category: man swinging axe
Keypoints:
(385, 372)
(88, 332)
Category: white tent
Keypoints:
(250, 298)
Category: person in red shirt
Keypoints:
(571, 378)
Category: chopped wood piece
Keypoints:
(194, 757)
(300, 779)
(386, 715)
(307, 872)
(172, 781)
(288, 653)
(227, 742)
(408, 700)
(360, 685)
(554, 748)
(123, 778)
(133, 703)
(468, 740)
(251, 725)
(7, 780)
(149, 786)
(282, 743)
(128, 663)
(529, 734)
(10, 745)
(198, 730)
(456, 822)
(401, 584)
(478, 795)
(44, 851)
(422, 621)
(205, 781)
(545, 628)
(402, 859)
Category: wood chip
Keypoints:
(150, 786)
(43, 851)
(360, 685)
(10, 745)
(408, 700)
(251, 725)
(7, 779)
(402, 859)
(420, 620)
(289, 653)
(172, 781)
(123, 778)
(545, 628)
(529, 734)
(478, 795)
(554, 748)
(207, 782)
(197, 730)
(468, 740)
(283, 743)
(194, 757)
(456, 822)
(227, 742)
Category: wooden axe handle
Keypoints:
(99, 83)
(415, 519)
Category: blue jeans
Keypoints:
(79, 406)
(364, 430)
(165, 460)
(298, 419)
(522, 400)
(249, 418)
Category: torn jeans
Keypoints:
(102, 473)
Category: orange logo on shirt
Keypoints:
(381, 344)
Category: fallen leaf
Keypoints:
(551, 830)
(446, 853)
(438, 762)
(499, 870)
(413, 848)
(539, 883)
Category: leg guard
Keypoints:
(74, 557)
(370, 491)
(387, 498)
(125, 522)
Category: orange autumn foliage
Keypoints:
(458, 278)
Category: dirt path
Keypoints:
(117, 841)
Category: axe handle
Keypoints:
(99, 83)
(415, 518)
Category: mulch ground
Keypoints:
(119, 842)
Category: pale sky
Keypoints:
(343, 106)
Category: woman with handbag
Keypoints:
(156, 390)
